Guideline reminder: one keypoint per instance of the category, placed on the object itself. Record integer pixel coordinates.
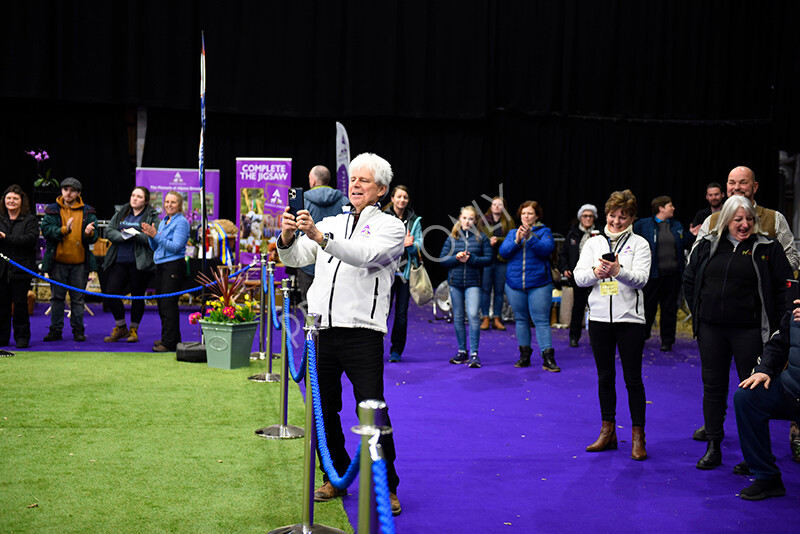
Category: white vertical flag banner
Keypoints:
(342, 159)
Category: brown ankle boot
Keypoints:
(133, 334)
(497, 324)
(119, 332)
(485, 323)
(607, 439)
(637, 449)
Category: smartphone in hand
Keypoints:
(609, 256)
(792, 293)
(296, 200)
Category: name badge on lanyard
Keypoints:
(609, 289)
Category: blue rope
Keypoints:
(382, 500)
(275, 322)
(297, 376)
(121, 297)
(322, 440)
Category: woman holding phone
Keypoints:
(616, 267)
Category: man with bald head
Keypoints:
(742, 181)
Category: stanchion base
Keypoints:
(258, 355)
(303, 529)
(276, 355)
(281, 432)
(264, 377)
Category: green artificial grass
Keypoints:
(93, 442)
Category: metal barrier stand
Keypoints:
(265, 324)
(372, 416)
(310, 457)
(284, 430)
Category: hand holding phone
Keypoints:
(609, 256)
(296, 200)
(792, 293)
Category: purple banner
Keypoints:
(187, 183)
(262, 186)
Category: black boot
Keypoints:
(524, 357)
(549, 360)
(713, 456)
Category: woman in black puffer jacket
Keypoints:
(465, 253)
(19, 232)
(735, 285)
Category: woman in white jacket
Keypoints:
(616, 266)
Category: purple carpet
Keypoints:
(501, 449)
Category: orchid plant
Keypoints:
(43, 176)
(224, 308)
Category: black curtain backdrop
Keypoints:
(557, 101)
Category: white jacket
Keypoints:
(355, 272)
(634, 261)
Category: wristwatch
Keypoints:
(325, 238)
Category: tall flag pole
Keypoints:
(342, 159)
(201, 155)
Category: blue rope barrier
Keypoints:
(382, 500)
(322, 440)
(273, 309)
(297, 376)
(121, 297)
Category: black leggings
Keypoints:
(605, 338)
(716, 345)
(120, 277)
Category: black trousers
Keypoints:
(716, 345)
(126, 275)
(401, 292)
(16, 292)
(169, 279)
(663, 291)
(579, 300)
(358, 353)
(605, 338)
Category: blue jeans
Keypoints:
(494, 277)
(469, 299)
(532, 304)
(74, 276)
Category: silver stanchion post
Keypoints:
(283, 430)
(265, 325)
(310, 457)
(372, 416)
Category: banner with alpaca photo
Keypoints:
(262, 189)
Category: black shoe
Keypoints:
(666, 347)
(474, 361)
(461, 357)
(741, 469)
(761, 489)
(79, 336)
(573, 342)
(53, 335)
(549, 361)
(23, 343)
(794, 443)
(162, 348)
(700, 434)
(524, 356)
(712, 458)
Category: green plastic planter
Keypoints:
(228, 344)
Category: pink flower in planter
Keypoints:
(229, 312)
(194, 318)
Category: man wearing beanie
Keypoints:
(68, 228)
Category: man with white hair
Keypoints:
(355, 256)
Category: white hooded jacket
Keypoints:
(634, 261)
(355, 272)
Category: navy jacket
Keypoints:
(323, 201)
(781, 356)
(648, 229)
(467, 274)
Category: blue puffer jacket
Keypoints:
(467, 274)
(528, 262)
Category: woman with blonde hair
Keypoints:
(465, 253)
(616, 267)
(496, 223)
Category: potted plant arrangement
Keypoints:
(45, 187)
(229, 328)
